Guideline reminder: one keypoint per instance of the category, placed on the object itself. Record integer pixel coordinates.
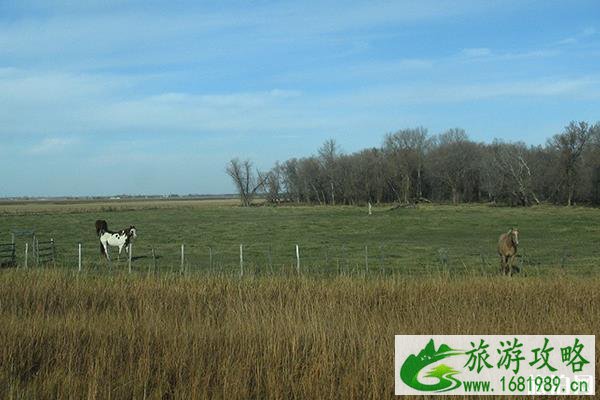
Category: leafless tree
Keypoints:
(406, 151)
(570, 145)
(272, 184)
(454, 161)
(410, 165)
(328, 154)
(510, 159)
(246, 181)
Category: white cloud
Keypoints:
(63, 104)
(589, 31)
(583, 34)
(171, 35)
(476, 52)
(430, 94)
(50, 146)
(566, 41)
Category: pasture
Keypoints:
(331, 240)
(327, 333)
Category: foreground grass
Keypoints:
(69, 336)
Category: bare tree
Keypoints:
(410, 165)
(510, 160)
(454, 162)
(405, 150)
(328, 154)
(272, 184)
(570, 144)
(246, 182)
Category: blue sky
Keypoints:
(144, 97)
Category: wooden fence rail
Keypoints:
(45, 252)
(8, 256)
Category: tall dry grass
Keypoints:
(98, 337)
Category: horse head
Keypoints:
(132, 232)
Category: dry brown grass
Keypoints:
(90, 206)
(69, 336)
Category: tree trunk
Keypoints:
(332, 194)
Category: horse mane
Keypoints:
(512, 237)
(101, 226)
(509, 238)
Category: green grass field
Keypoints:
(331, 239)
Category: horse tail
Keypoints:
(101, 227)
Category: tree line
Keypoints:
(413, 166)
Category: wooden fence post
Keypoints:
(154, 260)
(182, 257)
(241, 260)
(79, 257)
(33, 245)
(366, 259)
(298, 259)
(26, 251)
(210, 257)
(380, 258)
(53, 252)
(270, 255)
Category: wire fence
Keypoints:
(295, 259)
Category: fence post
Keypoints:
(370, 209)
(241, 260)
(182, 256)
(79, 257)
(154, 260)
(33, 248)
(53, 252)
(36, 250)
(130, 252)
(298, 259)
(270, 255)
(366, 259)
(344, 260)
(26, 251)
(209, 257)
(381, 258)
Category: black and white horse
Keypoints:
(120, 239)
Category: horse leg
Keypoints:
(512, 264)
(106, 251)
(502, 268)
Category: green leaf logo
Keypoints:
(445, 374)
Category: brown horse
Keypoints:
(507, 249)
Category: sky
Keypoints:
(106, 97)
